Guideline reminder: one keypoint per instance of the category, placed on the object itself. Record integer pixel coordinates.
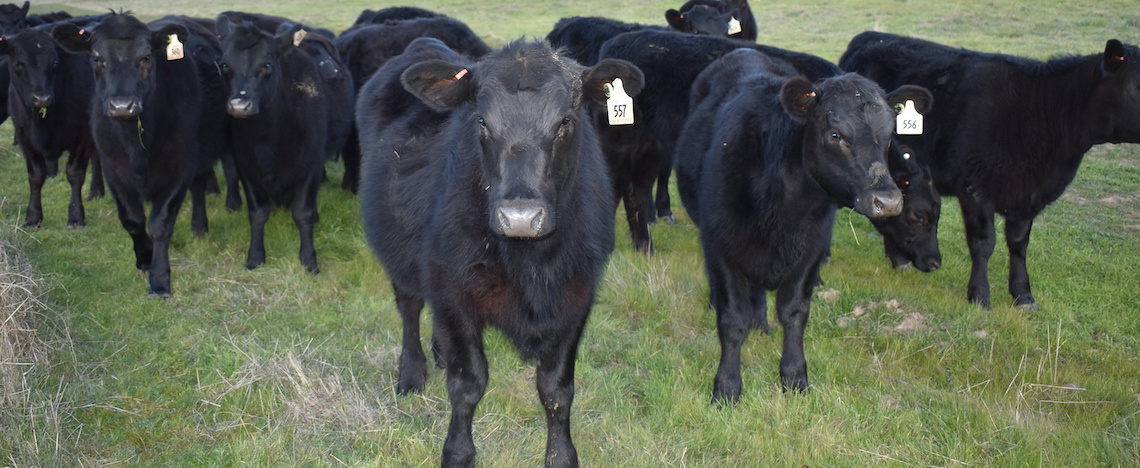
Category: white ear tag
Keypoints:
(619, 104)
(298, 37)
(909, 121)
(734, 26)
(174, 48)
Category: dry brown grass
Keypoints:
(20, 346)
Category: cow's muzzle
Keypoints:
(522, 218)
(879, 203)
(242, 107)
(120, 107)
(41, 100)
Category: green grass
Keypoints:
(276, 367)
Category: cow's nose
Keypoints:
(123, 107)
(884, 204)
(521, 218)
(242, 107)
(40, 100)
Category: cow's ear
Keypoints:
(594, 79)
(24, 9)
(798, 97)
(223, 25)
(4, 46)
(71, 38)
(1113, 55)
(286, 37)
(441, 85)
(677, 21)
(161, 38)
(922, 98)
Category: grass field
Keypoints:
(276, 367)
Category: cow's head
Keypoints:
(1117, 107)
(13, 18)
(32, 62)
(709, 17)
(526, 105)
(912, 236)
(125, 54)
(251, 61)
(848, 125)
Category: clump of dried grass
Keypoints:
(20, 347)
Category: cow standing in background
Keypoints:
(485, 192)
(292, 109)
(784, 152)
(154, 125)
(49, 99)
(1009, 133)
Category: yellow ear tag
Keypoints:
(174, 48)
(619, 105)
(734, 26)
(909, 121)
(298, 37)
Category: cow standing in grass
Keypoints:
(783, 153)
(1008, 134)
(155, 125)
(485, 192)
(49, 99)
(292, 110)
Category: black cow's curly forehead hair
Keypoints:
(245, 35)
(121, 25)
(529, 66)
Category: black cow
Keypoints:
(1009, 132)
(488, 197)
(291, 111)
(365, 47)
(911, 238)
(642, 152)
(394, 14)
(731, 18)
(154, 125)
(49, 101)
(582, 36)
(268, 23)
(13, 19)
(783, 153)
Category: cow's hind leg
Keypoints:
(199, 223)
(305, 216)
(258, 215)
(76, 175)
(466, 369)
(1017, 239)
(980, 239)
(413, 368)
(555, 382)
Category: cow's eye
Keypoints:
(55, 64)
(836, 136)
(567, 120)
(268, 66)
(921, 219)
(146, 58)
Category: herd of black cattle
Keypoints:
(488, 180)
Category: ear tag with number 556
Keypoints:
(909, 121)
(734, 26)
(619, 105)
(174, 48)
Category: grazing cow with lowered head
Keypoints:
(366, 46)
(485, 193)
(290, 113)
(49, 99)
(911, 238)
(784, 152)
(1008, 133)
(155, 126)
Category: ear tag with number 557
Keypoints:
(734, 26)
(909, 121)
(619, 105)
(174, 48)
